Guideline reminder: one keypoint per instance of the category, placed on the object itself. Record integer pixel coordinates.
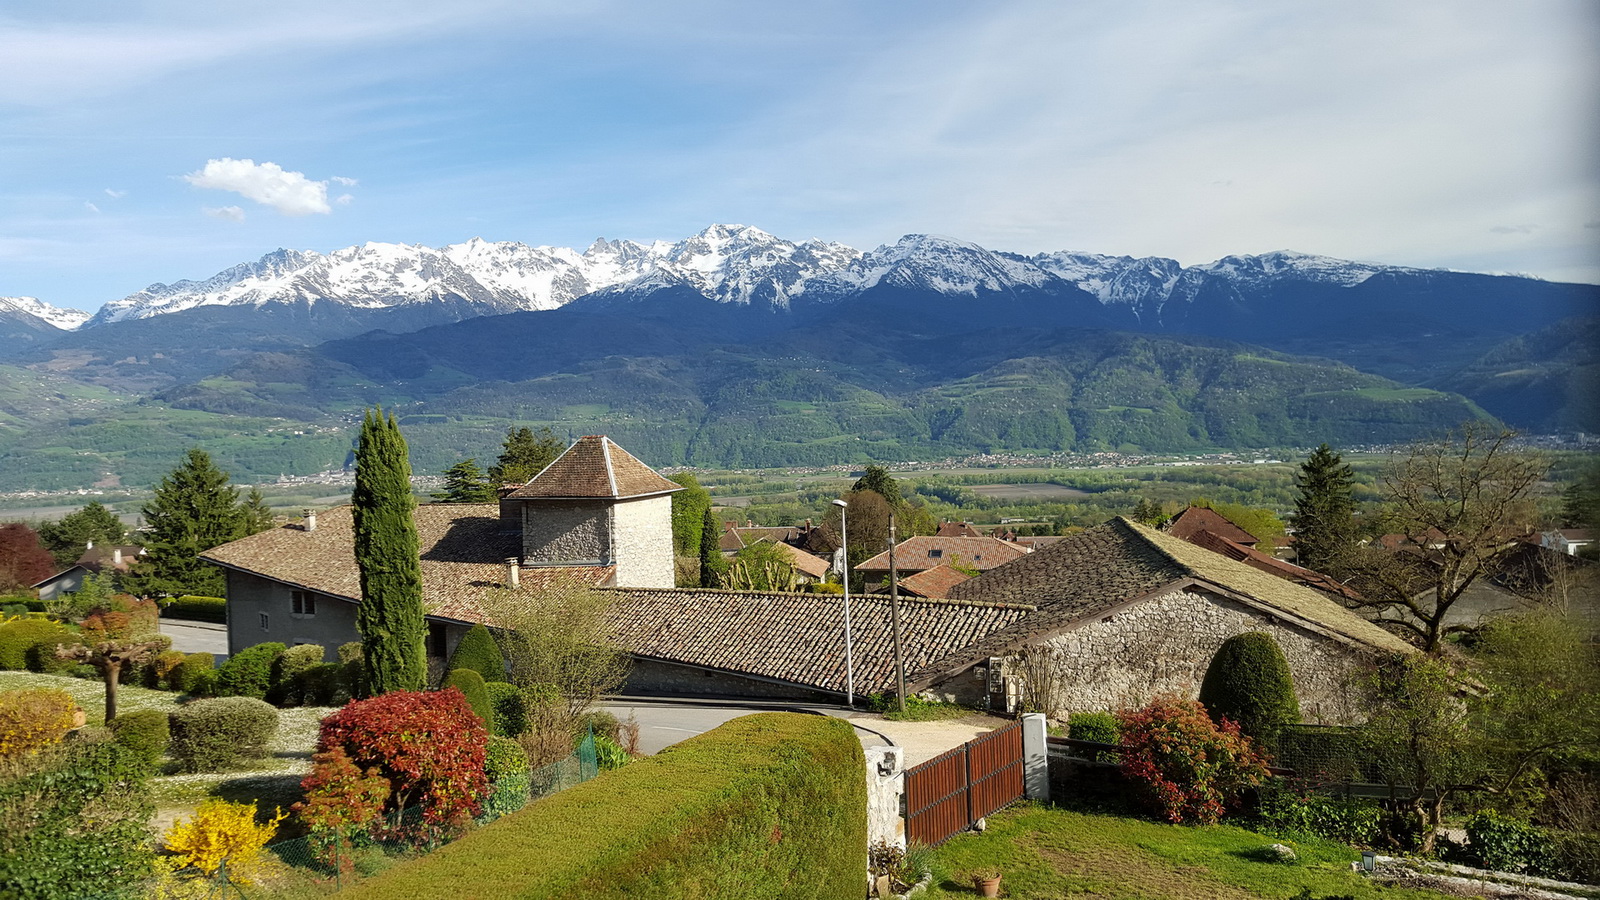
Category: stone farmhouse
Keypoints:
(1098, 620)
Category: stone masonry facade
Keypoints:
(642, 542)
(566, 533)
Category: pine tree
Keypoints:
(1323, 511)
(193, 510)
(464, 482)
(390, 616)
(68, 538)
(878, 480)
(256, 514)
(526, 454)
(689, 508)
(712, 564)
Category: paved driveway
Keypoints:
(197, 637)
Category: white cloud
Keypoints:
(91, 207)
(116, 195)
(347, 182)
(230, 213)
(343, 199)
(269, 184)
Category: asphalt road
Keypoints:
(197, 637)
(662, 724)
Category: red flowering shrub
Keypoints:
(429, 746)
(340, 800)
(1190, 768)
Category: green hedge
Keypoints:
(766, 806)
(198, 609)
(19, 636)
(216, 735)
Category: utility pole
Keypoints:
(849, 655)
(894, 612)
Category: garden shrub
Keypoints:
(322, 685)
(428, 744)
(510, 708)
(771, 805)
(140, 673)
(18, 636)
(1577, 857)
(602, 723)
(203, 684)
(184, 676)
(197, 609)
(145, 732)
(34, 718)
(158, 671)
(1188, 768)
(355, 668)
(288, 674)
(248, 673)
(86, 818)
(14, 610)
(1508, 845)
(1346, 820)
(42, 657)
(214, 735)
(339, 795)
(220, 832)
(479, 653)
(1249, 682)
(471, 686)
(510, 783)
(1100, 727)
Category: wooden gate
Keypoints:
(948, 793)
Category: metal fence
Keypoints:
(947, 794)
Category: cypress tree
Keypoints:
(478, 652)
(193, 510)
(711, 562)
(1323, 511)
(390, 616)
(689, 508)
(1249, 682)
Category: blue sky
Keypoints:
(1451, 134)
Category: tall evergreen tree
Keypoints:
(193, 510)
(1323, 511)
(464, 482)
(712, 564)
(69, 537)
(878, 480)
(255, 514)
(525, 455)
(689, 508)
(390, 616)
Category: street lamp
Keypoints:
(849, 654)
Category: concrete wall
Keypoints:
(650, 676)
(250, 595)
(1165, 644)
(642, 542)
(567, 532)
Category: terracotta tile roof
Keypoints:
(464, 549)
(804, 562)
(957, 529)
(1199, 518)
(595, 467)
(935, 583)
(1091, 572)
(98, 559)
(797, 638)
(917, 553)
(1272, 565)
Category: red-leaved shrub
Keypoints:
(429, 745)
(1190, 769)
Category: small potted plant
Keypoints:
(987, 882)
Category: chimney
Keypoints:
(116, 557)
(89, 545)
(513, 572)
(311, 520)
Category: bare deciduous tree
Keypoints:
(1456, 501)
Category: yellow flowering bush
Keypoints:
(34, 718)
(221, 832)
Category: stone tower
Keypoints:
(597, 505)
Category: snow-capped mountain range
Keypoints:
(25, 308)
(727, 263)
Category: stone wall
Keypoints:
(1165, 644)
(642, 542)
(567, 532)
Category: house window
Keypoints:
(305, 603)
(263, 621)
(436, 639)
(935, 554)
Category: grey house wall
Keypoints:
(1164, 645)
(249, 596)
(68, 582)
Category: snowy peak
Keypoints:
(30, 308)
(1289, 264)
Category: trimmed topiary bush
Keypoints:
(158, 671)
(1249, 683)
(145, 732)
(1100, 727)
(766, 806)
(289, 671)
(197, 609)
(19, 636)
(510, 783)
(248, 673)
(510, 708)
(471, 686)
(214, 735)
(479, 653)
(185, 676)
(34, 718)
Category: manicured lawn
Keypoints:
(1046, 852)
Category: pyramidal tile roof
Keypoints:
(594, 468)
